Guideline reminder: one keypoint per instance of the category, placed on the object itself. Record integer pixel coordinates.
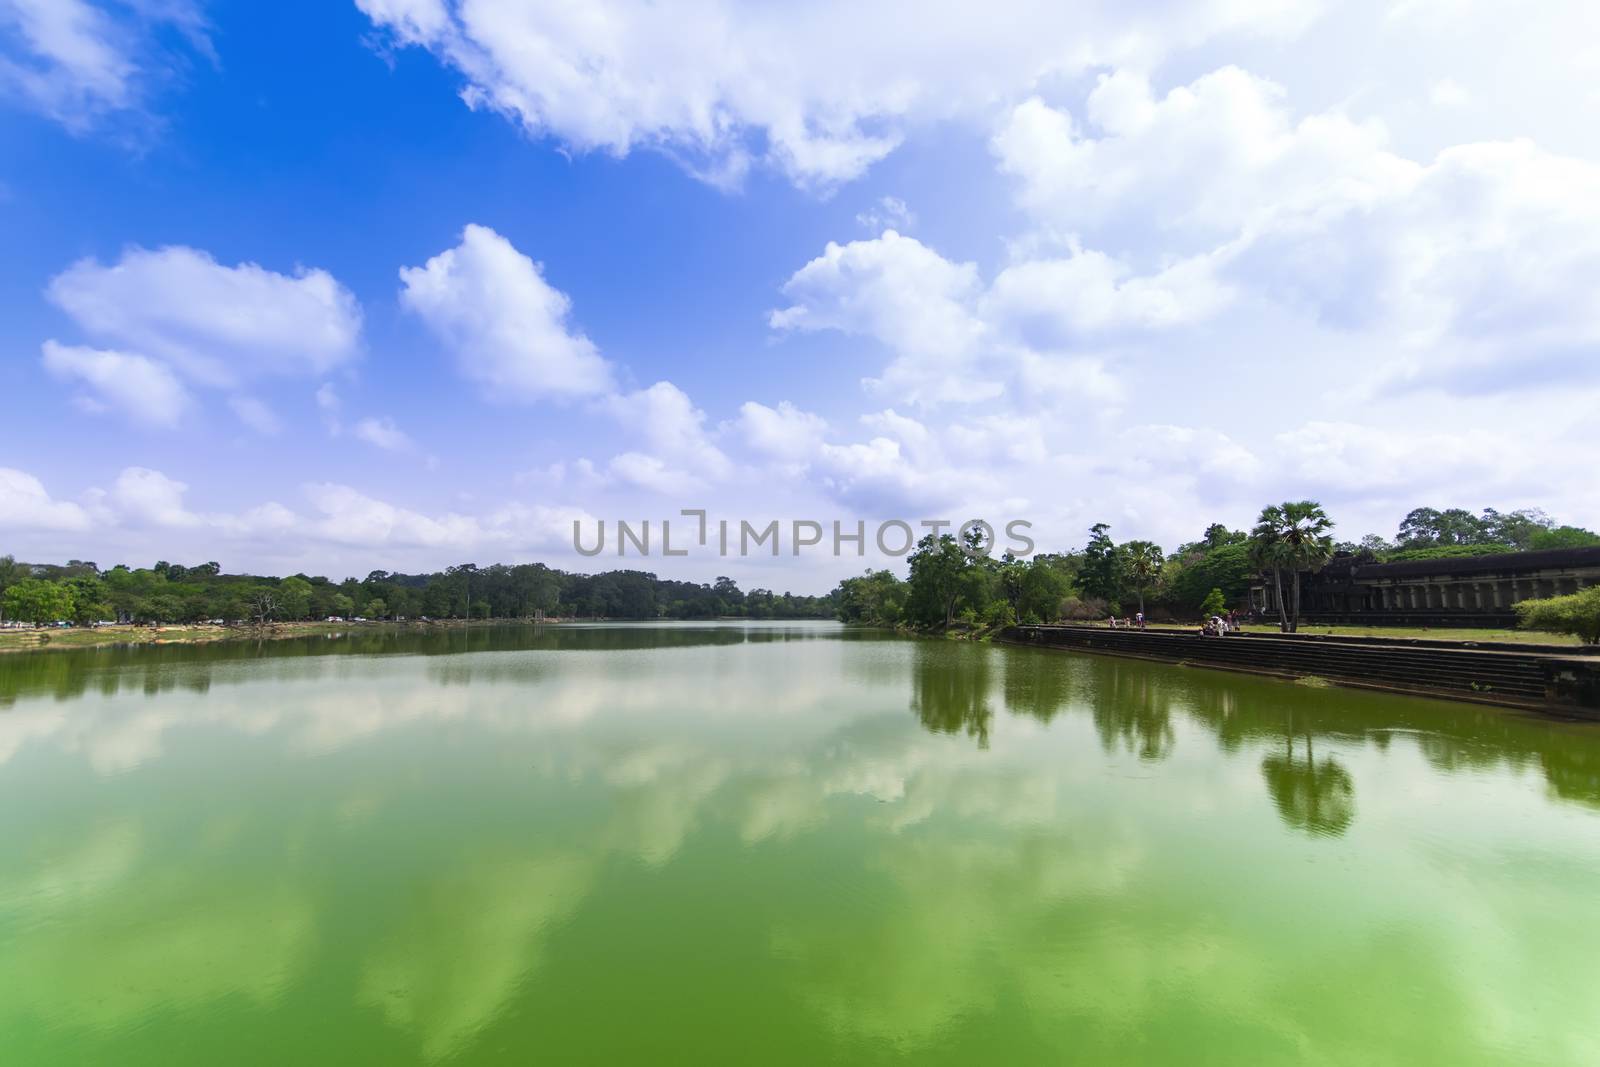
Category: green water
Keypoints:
(776, 844)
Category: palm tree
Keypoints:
(1292, 536)
(1144, 559)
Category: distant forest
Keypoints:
(945, 582)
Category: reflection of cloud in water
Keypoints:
(463, 951)
(1043, 874)
(104, 936)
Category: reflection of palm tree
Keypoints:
(1134, 716)
(951, 692)
(1317, 798)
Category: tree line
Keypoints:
(947, 582)
(946, 585)
(174, 593)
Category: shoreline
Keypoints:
(49, 639)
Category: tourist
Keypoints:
(1112, 622)
(1139, 620)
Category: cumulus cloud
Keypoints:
(219, 325)
(721, 85)
(26, 505)
(1037, 330)
(681, 453)
(905, 295)
(507, 327)
(143, 390)
(148, 496)
(784, 432)
(1475, 267)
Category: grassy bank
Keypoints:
(1437, 633)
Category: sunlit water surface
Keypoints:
(784, 843)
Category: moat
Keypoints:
(777, 843)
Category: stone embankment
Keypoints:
(1559, 680)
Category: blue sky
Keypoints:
(401, 283)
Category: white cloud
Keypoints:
(720, 85)
(219, 325)
(384, 434)
(784, 432)
(908, 297)
(25, 505)
(681, 454)
(1475, 269)
(1192, 167)
(351, 517)
(142, 389)
(507, 327)
(1089, 295)
(958, 341)
(149, 496)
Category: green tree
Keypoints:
(1143, 564)
(1102, 572)
(294, 598)
(1564, 537)
(344, 606)
(1293, 537)
(89, 603)
(1228, 568)
(937, 568)
(1046, 585)
(377, 608)
(1518, 529)
(38, 601)
(11, 572)
(875, 598)
(1577, 614)
(1213, 604)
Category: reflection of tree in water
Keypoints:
(1132, 713)
(1039, 683)
(950, 689)
(1317, 797)
(160, 668)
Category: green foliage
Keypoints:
(937, 579)
(1406, 555)
(171, 592)
(1227, 568)
(1291, 538)
(1102, 572)
(1430, 528)
(1214, 603)
(875, 599)
(89, 604)
(999, 613)
(38, 601)
(1565, 537)
(1577, 614)
(1142, 563)
(1046, 587)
